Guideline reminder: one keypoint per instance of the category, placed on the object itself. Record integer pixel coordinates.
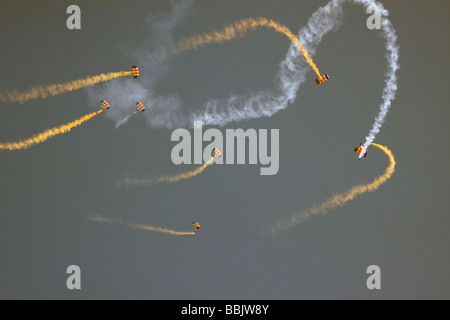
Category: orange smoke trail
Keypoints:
(158, 229)
(141, 226)
(168, 179)
(41, 137)
(339, 199)
(237, 29)
(58, 88)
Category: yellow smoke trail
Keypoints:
(58, 88)
(41, 137)
(158, 229)
(237, 29)
(169, 179)
(340, 199)
(141, 226)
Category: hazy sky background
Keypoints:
(49, 191)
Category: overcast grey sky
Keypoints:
(49, 191)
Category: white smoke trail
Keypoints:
(99, 218)
(124, 120)
(288, 79)
(169, 111)
(293, 69)
(392, 56)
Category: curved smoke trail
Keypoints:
(169, 111)
(167, 179)
(237, 29)
(293, 69)
(262, 104)
(339, 199)
(392, 56)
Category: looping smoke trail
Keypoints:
(41, 137)
(339, 199)
(237, 29)
(293, 69)
(170, 111)
(101, 219)
(58, 88)
(168, 179)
